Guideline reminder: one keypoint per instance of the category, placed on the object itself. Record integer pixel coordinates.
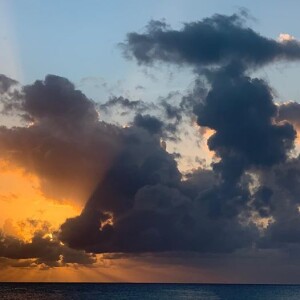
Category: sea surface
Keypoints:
(112, 291)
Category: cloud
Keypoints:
(282, 203)
(143, 206)
(64, 143)
(290, 112)
(137, 199)
(241, 111)
(213, 210)
(6, 83)
(137, 105)
(215, 40)
(285, 37)
(150, 123)
(42, 250)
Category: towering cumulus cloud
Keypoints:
(143, 203)
(138, 200)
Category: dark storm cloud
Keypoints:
(150, 123)
(204, 212)
(64, 144)
(252, 134)
(41, 250)
(56, 98)
(215, 40)
(143, 206)
(282, 203)
(241, 111)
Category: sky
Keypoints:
(150, 141)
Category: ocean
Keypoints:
(112, 291)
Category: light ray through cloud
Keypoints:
(10, 62)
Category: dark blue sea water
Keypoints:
(112, 291)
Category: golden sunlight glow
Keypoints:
(263, 223)
(108, 221)
(285, 37)
(118, 270)
(21, 200)
(195, 155)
